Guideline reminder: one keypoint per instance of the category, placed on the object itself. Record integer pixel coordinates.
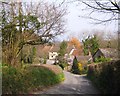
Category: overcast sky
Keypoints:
(80, 27)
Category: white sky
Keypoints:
(80, 27)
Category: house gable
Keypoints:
(98, 54)
(53, 55)
(107, 53)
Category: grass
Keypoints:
(29, 78)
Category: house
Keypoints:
(50, 52)
(70, 54)
(106, 52)
(84, 58)
(52, 58)
(74, 52)
(53, 55)
(43, 50)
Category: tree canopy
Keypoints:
(90, 45)
(29, 23)
(63, 48)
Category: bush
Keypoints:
(12, 80)
(63, 65)
(61, 62)
(75, 66)
(102, 59)
(16, 81)
(45, 60)
(81, 69)
(106, 76)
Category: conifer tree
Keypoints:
(75, 66)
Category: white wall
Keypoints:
(53, 55)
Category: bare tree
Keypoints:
(111, 7)
(106, 39)
(107, 7)
(29, 23)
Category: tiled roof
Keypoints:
(109, 52)
(83, 58)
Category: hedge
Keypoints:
(106, 76)
(28, 79)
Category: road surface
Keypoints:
(73, 84)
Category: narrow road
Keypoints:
(73, 84)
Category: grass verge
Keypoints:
(27, 79)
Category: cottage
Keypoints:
(53, 55)
(107, 53)
(69, 56)
(84, 58)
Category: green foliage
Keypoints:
(12, 80)
(60, 77)
(16, 81)
(63, 47)
(106, 76)
(14, 39)
(75, 68)
(90, 44)
(29, 57)
(86, 51)
(20, 28)
(78, 67)
(61, 62)
(45, 60)
(102, 59)
(33, 51)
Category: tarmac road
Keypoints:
(73, 84)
